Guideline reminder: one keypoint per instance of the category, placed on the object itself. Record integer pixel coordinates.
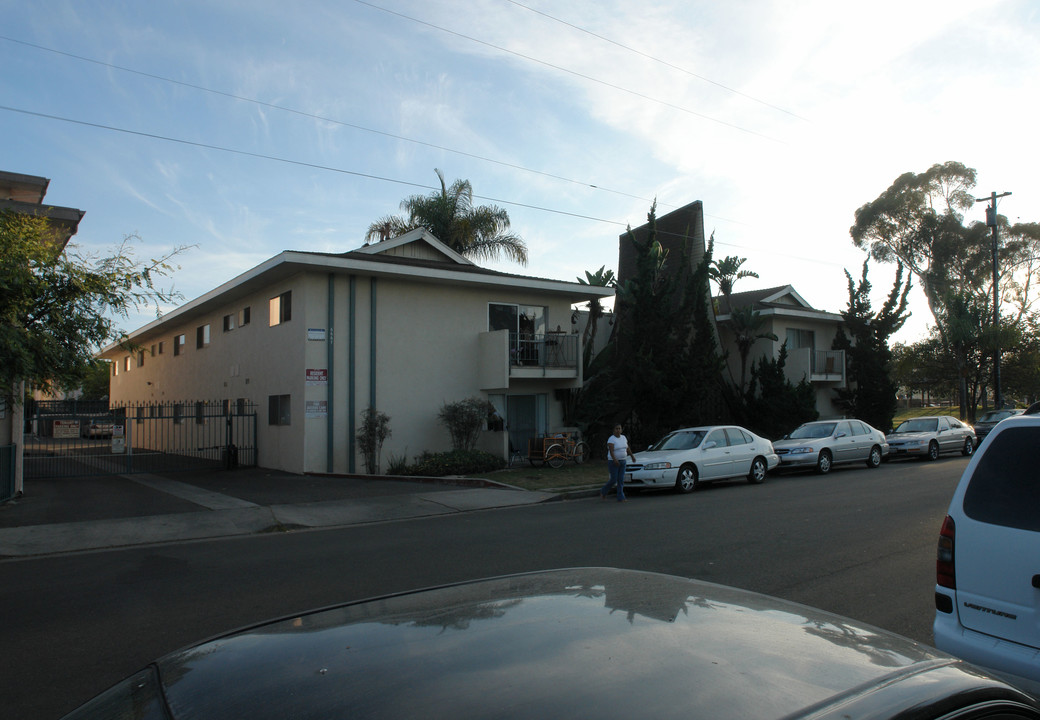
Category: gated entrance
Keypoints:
(67, 439)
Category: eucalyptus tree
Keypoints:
(475, 231)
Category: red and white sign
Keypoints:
(317, 376)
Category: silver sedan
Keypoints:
(821, 445)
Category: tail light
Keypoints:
(945, 575)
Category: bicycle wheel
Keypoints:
(555, 455)
(582, 452)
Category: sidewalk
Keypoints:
(62, 515)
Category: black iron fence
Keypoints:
(549, 350)
(65, 440)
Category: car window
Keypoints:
(748, 438)
(736, 437)
(684, 440)
(918, 425)
(954, 422)
(1004, 489)
(860, 428)
(718, 437)
(944, 424)
(812, 431)
(843, 427)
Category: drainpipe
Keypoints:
(351, 380)
(329, 395)
(372, 344)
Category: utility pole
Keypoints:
(991, 221)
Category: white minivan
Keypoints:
(987, 593)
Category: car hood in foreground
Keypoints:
(595, 643)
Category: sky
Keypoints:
(245, 128)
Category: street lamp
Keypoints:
(991, 221)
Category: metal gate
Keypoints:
(67, 439)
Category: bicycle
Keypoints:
(558, 450)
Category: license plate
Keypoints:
(628, 477)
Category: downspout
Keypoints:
(329, 395)
(372, 344)
(351, 380)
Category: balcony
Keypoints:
(816, 366)
(506, 356)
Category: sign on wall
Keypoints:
(317, 408)
(317, 376)
(315, 333)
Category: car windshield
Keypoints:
(995, 416)
(813, 430)
(682, 440)
(918, 425)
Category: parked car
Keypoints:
(928, 437)
(987, 594)
(988, 421)
(826, 443)
(685, 458)
(592, 643)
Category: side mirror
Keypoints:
(710, 444)
(840, 435)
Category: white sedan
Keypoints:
(685, 458)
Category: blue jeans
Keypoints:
(617, 477)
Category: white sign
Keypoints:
(66, 428)
(317, 408)
(315, 333)
(118, 440)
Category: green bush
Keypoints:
(454, 462)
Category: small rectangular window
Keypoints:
(140, 414)
(140, 358)
(153, 349)
(243, 316)
(229, 323)
(115, 368)
(280, 309)
(178, 344)
(200, 413)
(202, 336)
(178, 413)
(241, 406)
(278, 410)
(126, 364)
(162, 346)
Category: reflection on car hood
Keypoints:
(649, 456)
(591, 642)
(895, 437)
(792, 443)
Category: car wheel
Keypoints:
(823, 463)
(874, 459)
(758, 471)
(686, 480)
(969, 447)
(933, 450)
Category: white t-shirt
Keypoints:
(620, 443)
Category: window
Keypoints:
(281, 309)
(126, 364)
(200, 413)
(202, 336)
(162, 346)
(115, 368)
(243, 316)
(526, 325)
(178, 413)
(800, 339)
(153, 349)
(140, 414)
(140, 358)
(229, 323)
(178, 344)
(278, 410)
(1003, 488)
(241, 406)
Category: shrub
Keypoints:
(375, 428)
(465, 419)
(454, 462)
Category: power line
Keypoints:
(322, 118)
(657, 60)
(575, 73)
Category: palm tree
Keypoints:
(600, 278)
(747, 328)
(480, 232)
(726, 272)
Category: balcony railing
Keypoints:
(826, 366)
(551, 350)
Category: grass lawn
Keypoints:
(571, 476)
